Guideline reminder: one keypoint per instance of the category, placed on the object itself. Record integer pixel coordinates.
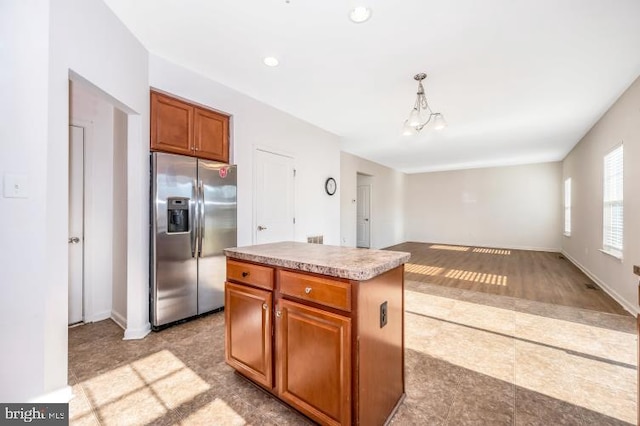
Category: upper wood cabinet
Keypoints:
(211, 135)
(182, 128)
(171, 125)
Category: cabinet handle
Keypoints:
(265, 306)
(307, 290)
(278, 314)
(245, 274)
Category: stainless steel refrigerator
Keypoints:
(193, 218)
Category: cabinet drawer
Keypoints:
(336, 294)
(248, 273)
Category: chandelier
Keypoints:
(421, 114)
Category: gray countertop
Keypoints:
(343, 262)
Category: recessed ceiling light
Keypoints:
(270, 61)
(360, 14)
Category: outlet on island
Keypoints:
(383, 314)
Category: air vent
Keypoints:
(317, 239)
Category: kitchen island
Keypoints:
(320, 327)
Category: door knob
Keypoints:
(261, 228)
(74, 240)
(366, 220)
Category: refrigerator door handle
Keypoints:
(200, 218)
(194, 226)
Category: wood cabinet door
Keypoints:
(248, 346)
(211, 135)
(171, 125)
(313, 362)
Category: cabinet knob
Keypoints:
(278, 314)
(245, 274)
(307, 290)
(265, 306)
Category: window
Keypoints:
(612, 225)
(567, 207)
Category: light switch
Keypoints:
(15, 186)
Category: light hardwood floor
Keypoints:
(531, 275)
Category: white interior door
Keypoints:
(76, 223)
(363, 216)
(274, 185)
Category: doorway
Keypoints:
(363, 211)
(97, 207)
(274, 197)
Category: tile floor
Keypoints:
(471, 358)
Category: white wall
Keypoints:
(90, 111)
(119, 288)
(255, 124)
(387, 201)
(513, 207)
(46, 40)
(25, 280)
(584, 166)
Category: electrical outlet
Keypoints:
(384, 314)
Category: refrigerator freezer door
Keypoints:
(174, 277)
(218, 230)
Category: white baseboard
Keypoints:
(62, 395)
(100, 316)
(119, 319)
(137, 333)
(629, 307)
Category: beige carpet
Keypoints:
(471, 358)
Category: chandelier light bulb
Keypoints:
(415, 119)
(408, 130)
(439, 122)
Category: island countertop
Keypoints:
(342, 262)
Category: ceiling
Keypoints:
(518, 81)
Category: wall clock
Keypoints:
(330, 186)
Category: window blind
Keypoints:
(613, 218)
(567, 206)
